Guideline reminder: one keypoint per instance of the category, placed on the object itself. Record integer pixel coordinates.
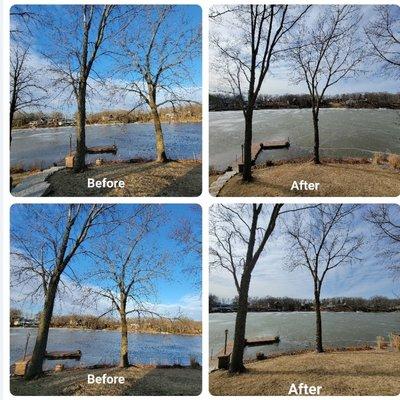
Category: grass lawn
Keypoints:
(341, 373)
(336, 179)
(175, 178)
(139, 381)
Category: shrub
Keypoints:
(194, 363)
(379, 158)
(395, 341)
(380, 342)
(394, 160)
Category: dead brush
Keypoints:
(379, 158)
(380, 343)
(194, 364)
(394, 160)
(395, 341)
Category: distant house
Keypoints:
(24, 322)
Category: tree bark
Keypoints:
(79, 162)
(315, 114)
(248, 139)
(236, 364)
(318, 322)
(12, 112)
(124, 355)
(35, 366)
(160, 145)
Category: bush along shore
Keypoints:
(176, 326)
(181, 114)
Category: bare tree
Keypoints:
(21, 20)
(238, 236)
(188, 234)
(322, 239)
(383, 35)
(26, 91)
(128, 269)
(386, 223)
(247, 47)
(44, 244)
(155, 55)
(324, 52)
(71, 57)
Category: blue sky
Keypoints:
(279, 78)
(52, 38)
(366, 278)
(177, 293)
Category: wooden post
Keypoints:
(26, 345)
(226, 341)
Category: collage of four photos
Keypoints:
(173, 258)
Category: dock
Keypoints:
(257, 148)
(261, 341)
(20, 366)
(57, 355)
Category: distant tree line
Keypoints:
(286, 304)
(182, 325)
(223, 102)
(178, 114)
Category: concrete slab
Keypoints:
(35, 185)
(216, 186)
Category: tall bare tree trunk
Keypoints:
(248, 139)
(79, 162)
(124, 354)
(315, 114)
(236, 364)
(318, 322)
(35, 366)
(12, 112)
(160, 145)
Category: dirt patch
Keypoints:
(175, 178)
(139, 381)
(361, 373)
(335, 179)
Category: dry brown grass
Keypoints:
(139, 381)
(394, 160)
(175, 178)
(336, 179)
(371, 372)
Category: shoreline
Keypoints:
(111, 330)
(309, 108)
(26, 128)
(311, 311)
(327, 350)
